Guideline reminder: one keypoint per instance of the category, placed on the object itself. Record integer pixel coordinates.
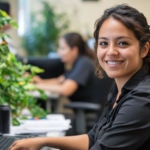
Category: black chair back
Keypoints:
(106, 85)
(87, 114)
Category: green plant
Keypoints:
(14, 86)
(44, 33)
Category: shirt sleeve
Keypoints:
(82, 71)
(130, 129)
(92, 133)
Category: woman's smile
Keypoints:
(118, 50)
(113, 63)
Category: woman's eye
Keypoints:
(103, 43)
(123, 43)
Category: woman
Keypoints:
(122, 45)
(76, 84)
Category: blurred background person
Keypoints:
(78, 83)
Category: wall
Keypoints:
(88, 12)
(82, 14)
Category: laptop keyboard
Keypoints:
(5, 142)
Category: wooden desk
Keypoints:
(50, 96)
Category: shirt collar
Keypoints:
(130, 84)
(136, 78)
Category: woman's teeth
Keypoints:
(113, 63)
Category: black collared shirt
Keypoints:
(127, 126)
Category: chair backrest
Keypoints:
(104, 89)
(106, 85)
(53, 67)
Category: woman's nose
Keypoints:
(112, 50)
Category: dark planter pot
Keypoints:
(5, 113)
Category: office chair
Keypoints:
(87, 114)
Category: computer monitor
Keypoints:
(53, 66)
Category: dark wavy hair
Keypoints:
(133, 20)
(75, 39)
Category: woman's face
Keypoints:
(66, 53)
(118, 50)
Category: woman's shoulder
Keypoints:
(141, 93)
(144, 85)
(138, 99)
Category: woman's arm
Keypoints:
(80, 142)
(37, 79)
(67, 88)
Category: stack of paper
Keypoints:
(52, 123)
(47, 125)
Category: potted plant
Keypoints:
(14, 86)
(44, 33)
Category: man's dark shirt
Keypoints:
(88, 84)
(127, 126)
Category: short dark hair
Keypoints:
(5, 7)
(133, 20)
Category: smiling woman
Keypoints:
(126, 32)
(117, 52)
(122, 46)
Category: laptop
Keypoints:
(7, 140)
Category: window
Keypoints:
(23, 16)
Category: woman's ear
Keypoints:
(145, 50)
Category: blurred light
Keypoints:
(23, 16)
(90, 43)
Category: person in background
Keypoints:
(122, 46)
(79, 83)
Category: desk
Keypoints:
(54, 126)
(50, 96)
(48, 134)
(44, 134)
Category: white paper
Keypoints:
(41, 126)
